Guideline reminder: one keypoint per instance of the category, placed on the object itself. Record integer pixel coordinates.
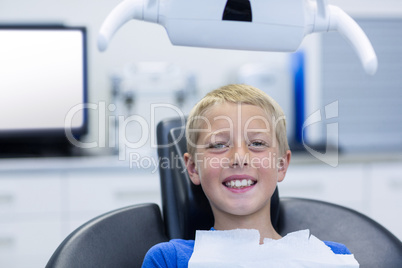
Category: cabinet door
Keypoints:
(29, 242)
(386, 196)
(92, 193)
(30, 218)
(340, 185)
(29, 192)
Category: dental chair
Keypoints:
(122, 237)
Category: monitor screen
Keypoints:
(42, 78)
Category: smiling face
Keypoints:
(236, 160)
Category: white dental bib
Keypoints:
(241, 248)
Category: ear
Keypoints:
(192, 169)
(283, 164)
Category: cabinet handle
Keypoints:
(6, 242)
(6, 199)
(304, 188)
(395, 184)
(132, 195)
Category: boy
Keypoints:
(238, 152)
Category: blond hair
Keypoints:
(243, 94)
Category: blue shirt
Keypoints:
(177, 253)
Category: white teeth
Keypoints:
(239, 183)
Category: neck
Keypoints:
(261, 223)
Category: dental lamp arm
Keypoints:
(121, 14)
(332, 18)
(352, 32)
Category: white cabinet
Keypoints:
(41, 205)
(386, 196)
(343, 185)
(30, 192)
(30, 217)
(92, 192)
(373, 188)
(28, 242)
(107, 190)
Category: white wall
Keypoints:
(141, 41)
(370, 7)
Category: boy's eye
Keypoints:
(258, 144)
(217, 145)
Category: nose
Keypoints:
(240, 155)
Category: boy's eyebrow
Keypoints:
(254, 132)
(217, 132)
(259, 130)
(224, 131)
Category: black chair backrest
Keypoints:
(372, 244)
(185, 206)
(119, 238)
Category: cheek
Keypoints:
(264, 161)
(214, 163)
(210, 171)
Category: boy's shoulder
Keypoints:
(180, 246)
(337, 248)
(175, 253)
(173, 247)
(173, 243)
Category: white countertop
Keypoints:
(112, 162)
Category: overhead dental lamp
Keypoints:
(262, 25)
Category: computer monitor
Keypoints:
(43, 80)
